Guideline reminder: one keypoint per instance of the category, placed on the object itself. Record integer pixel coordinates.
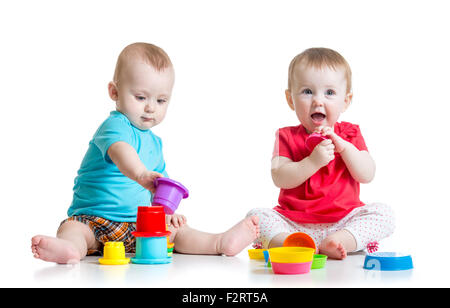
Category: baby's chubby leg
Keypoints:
(278, 240)
(70, 245)
(372, 222)
(230, 242)
(337, 245)
(334, 246)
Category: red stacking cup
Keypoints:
(150, 222)
(313, 140)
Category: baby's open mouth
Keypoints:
(318, 117)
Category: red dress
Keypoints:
(329, 194)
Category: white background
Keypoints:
(231, 60)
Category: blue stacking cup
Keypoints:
(151, 250)
(267, 258)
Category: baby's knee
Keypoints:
(380, 217)
(73, 227)
(388, 217)
(262, 213)
(253, 212)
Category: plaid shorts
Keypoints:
(108, 231)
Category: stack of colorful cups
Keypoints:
(291, 260)
(168, 195)
(169, 248)
(151, 236)
(152, 242)
(300, 239)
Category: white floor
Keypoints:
(215, 271)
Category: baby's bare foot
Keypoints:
(54, 249)
(333, 249)
(239, 236)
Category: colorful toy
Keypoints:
(256, 254)
(291, 268)
(150, 221)
(388, 261)
(151, 250)
(299, 239)
(170, 247)
(114, 254)
(291, 260)
(151, 236)
(152, 242)
(169, 194)
(267, 258)
(313, 140)
(318, 261)
(291, 254)
(372, 247)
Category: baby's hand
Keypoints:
(338, 142)
(323, 153)
(147, 180)
(175, 220)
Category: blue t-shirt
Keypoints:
(100, 188)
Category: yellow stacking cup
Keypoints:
(114, 254)
(256, 254)
(291, 254)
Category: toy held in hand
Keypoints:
(169, 194)
(313, 140)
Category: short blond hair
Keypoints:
(318, 58)
(149, 53)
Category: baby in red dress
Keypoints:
(319, 188)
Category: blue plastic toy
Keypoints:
(151, 250)
(388, 261)
(267, 258)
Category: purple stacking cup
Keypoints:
(169, 194)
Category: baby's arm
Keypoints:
(359, 163)
(287, 174)
(127, 160)
(125, 157)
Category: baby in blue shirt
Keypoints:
(100, 188)
(118, 171)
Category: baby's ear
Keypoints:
(348, 100)
(289, 99)
(112, 91)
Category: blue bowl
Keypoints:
(388, 261)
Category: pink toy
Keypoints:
(313, 140)
(291, 268)
(169, 194)
(372, 247)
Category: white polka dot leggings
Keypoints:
(369, 223)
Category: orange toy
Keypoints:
(299, 239)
